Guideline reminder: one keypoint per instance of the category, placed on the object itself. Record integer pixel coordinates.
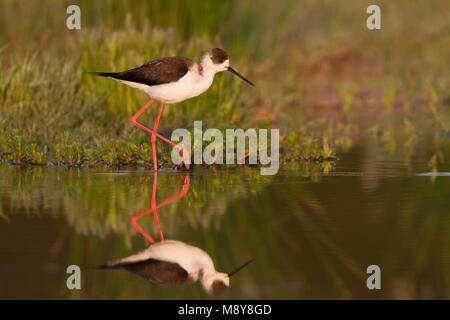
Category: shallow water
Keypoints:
(313, 230)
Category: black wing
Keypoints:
(155, 72)
(157, 271)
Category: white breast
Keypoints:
(190, 85)
(190, 258)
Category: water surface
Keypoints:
(312, 229)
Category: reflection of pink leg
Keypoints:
(177, 196)
(157, 206)
(186, 157)
(155, 213)
(135, 224)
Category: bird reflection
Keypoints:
(154, 207)
(172, 262)
(176, 263)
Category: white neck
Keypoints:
(205, 72)
(202, 79)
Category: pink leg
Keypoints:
(152, 209)
(186, 157)
(155, 213)
(157, 206)
(155, 129)
(135, 224)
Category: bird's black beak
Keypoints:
(236, 73)
(232, 273)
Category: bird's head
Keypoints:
(217, 282)
(217, 60)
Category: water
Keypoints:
(313, 230)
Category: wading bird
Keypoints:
(172, 80)
(176, 263)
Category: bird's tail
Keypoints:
(103, 266)
(104, 74)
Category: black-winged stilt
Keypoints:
(171, 80)
(176, 263)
